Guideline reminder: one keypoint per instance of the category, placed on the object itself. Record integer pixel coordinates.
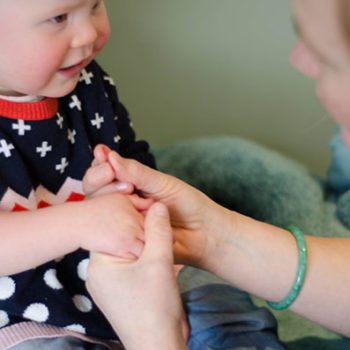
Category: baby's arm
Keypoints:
(108, 223)
(31, 238)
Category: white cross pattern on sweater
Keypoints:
(62, 166)
(21, 127)
(109, 79)
(76, 103)
(97, 121)
(6, 148)
(59, 120)
(86, 77)
(45, 147)
(71, 135)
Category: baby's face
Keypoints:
(44, 44)
(323, 53)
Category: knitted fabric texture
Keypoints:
(45, 150)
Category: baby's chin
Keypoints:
(60, 90)
(7, 92)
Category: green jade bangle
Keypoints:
(299, 279)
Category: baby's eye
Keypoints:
(59, 19)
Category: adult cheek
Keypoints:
(345, 133)
(302, 60)
(338, 107)
(333, 100)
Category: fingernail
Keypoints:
(160, 209)
(122, 186)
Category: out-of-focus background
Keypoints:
(191, 68)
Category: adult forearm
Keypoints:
(253, 256)
(262, 259)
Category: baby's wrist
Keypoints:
(74, 218)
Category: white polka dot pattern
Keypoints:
(4, 318)
(82, 269)
(50, 278)
(37, 312)
(76, 328)
(82, 303)
(7, 288)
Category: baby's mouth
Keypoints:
(71, 67)
(72, 70)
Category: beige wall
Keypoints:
(188, 68)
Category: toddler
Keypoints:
(56, 104)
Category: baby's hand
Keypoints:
(113, 224)
(100, 178)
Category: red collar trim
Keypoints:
(44, 109)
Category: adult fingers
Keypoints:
(115, 187)
(102, 175)
(150, 182)
(158, 233)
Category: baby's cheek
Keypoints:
(103, 37)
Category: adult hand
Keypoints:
(140, 298)
(196, 220)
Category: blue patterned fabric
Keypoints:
(222, 317)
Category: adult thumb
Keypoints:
(147, 180)
(158, 233)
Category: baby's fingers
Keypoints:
(101, 154)
(97, 177)
(132, 251)
(141, 204)
(100, 179)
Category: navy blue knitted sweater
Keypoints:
(45, 149)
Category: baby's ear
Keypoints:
(101, 154)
